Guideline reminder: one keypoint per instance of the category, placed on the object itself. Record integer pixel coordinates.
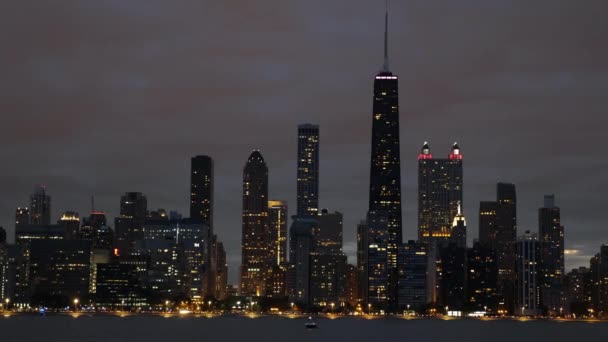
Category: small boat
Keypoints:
(310, 324)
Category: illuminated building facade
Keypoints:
(40, 207)
(378, 265)
(277, 218)
(308, 170)
(413, 280)
(255, 235)
(482, 278)
(551, 266)
(528, 292)
(328, 279)
(118, 287)
(440, 188)
(70, 221)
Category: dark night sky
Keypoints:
(103, 97)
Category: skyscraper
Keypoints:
(277, 217)
(71, 223)
(129, 225)
(201, 186)
(528, 297)
(551, 268)
(40, 207)
(385, 171)
(440, 193)
(308, 170)
(256, 238)
(22, 216)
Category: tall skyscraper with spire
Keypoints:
(255, 243)
(308, 170)
(385, 168)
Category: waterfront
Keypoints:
(149, 328)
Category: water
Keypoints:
(156, 329)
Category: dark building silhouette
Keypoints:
(578, 291)
(362, 246)
(95, 228)
(256, 238)
(22, 216)
(117, 286)
(440, 188)
(451, 277)
(201, 189)
(378, 265)
(551, 267)
(2, 236)
(301, 246)
(308, 170)
(40, 207)
(458, 235)
(498, 232)
(328, 236)
(413, 279)
(129, 224)
(221, 274)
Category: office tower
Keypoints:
(95, 228)
(2, 236)
(277, 217)
(328, 236)
(255, 238)
(578, 291)
(528, 296)
(308, 170)
(133, 214)
(482, 279)
(451, 277)
(551, 266)
(22, 216)
(201, 186)
(352, 286)
(70, 221)
(498, 232)
(362, 245)
(158, 215)
(385, 166)
(40, 207)
(458, 235)
(221, 274)
(118, 287)
(601, 269)
(413, 281)
(378, 265)
(301, 245)
(59, 271)
(440, 188)
(24, 234)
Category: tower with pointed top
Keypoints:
(385, 166)
(255, 243)
(440, 194)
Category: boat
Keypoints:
(310, 324)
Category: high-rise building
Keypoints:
(129, 224)
(40, 207)
(22, 216)
(95, 228)
(308, 170)
(440, 188)
(221, 274)
(498, 232)
(482, 279)
(458, 235)
(2, 236)
(362, 245)
(528, 296)
(578, 291)
(385, 181)
(277, 218)
(301, 246)
(378, 265)
(256, 238)
(413, 279)
(352, 286)
(328, 236)
(551, 267)
(70, 221)
(201, 186)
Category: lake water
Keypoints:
(23, 328)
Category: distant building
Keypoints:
(40, 207)
(440, 189)
(221, 274)
(24, 234)
(551, 266)
(277, 218)
(22, 216)
(528, 256)
(95, 228)
(308, 170)
(578, 288)
(482, 279)
(118, 287)
(362, 246)
(256, 238)
(352, 286)
(201, 185)
(328, 236)
(70, 221)
(301, 245)
(378, 266)
(133, 214)
(328, 279)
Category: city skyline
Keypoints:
(72, 174)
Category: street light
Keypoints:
(332, 307)
(76, 304)
(209, 305)
(369, 308)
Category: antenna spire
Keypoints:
(385, 66)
